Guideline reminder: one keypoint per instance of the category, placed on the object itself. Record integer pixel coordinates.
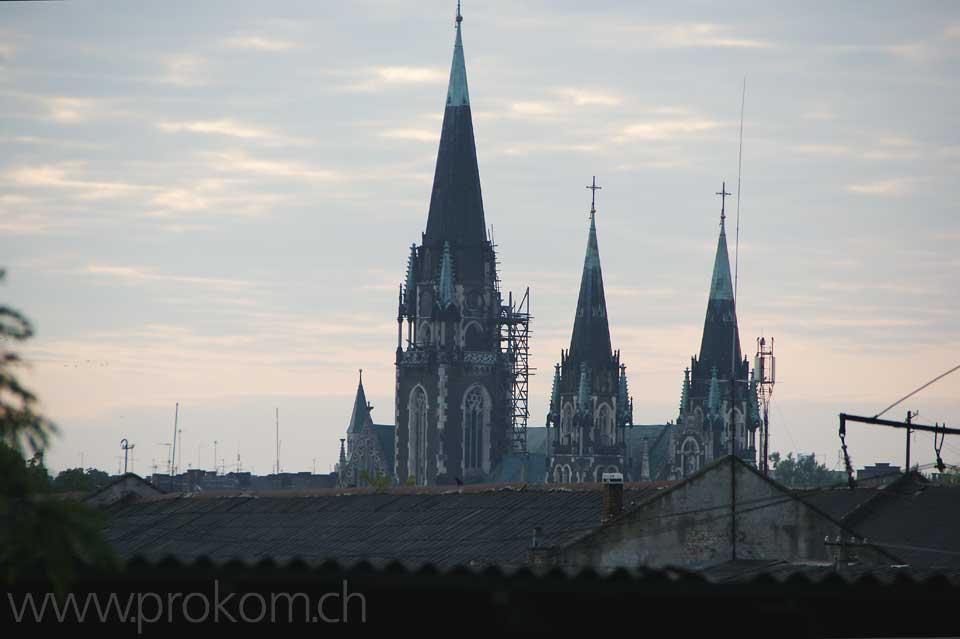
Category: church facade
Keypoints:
(589, 406)
(368, 458)
(452, 378)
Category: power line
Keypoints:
(935, 379)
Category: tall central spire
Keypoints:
(456, 204)
(591, 330)
(721, 338)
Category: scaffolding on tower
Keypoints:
(514, 328)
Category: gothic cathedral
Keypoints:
(453, 380)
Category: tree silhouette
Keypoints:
(38, 534)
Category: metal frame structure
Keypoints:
(765, 370)
(514, 330)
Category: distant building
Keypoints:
(369, 454)
(878, 470)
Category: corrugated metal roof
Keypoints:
(440, 527)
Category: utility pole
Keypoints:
(910, 416)
(126, 447)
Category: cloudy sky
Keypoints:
(212, 203)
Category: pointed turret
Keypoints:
(555, 392)
(360, 416)
(720, 345)
(410, 288)
(591, 331)
(583, 391)
(456, 205)
(713, 394)
(685, 393)
(446, 286)
(623, 395)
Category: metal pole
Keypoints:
(173, 452)
(906, 470)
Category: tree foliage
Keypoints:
(37, 530)
(802, 471)
(80, 480)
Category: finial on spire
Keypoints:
(361, 376)
(459, 17)
(723, 202)
(593, 196)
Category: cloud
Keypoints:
(184, 70)
(259, 43)
(417, 135)
(380, 78)
(835, 150)
(68, 110)
(669, 128)
(60, 177)
(893, 186)
(531, 108)
(225, 127)
(697, 35)
(582, 97)
(136, 274)
(243, 163)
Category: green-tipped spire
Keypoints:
(361, 410)
(721, 286)
(713, 395)
(590, 341)
(457, 93)
(583, 393)
(446, 277)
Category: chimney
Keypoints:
(612, 496)
(539, 555)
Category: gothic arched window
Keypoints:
(417, 422)
(690, 456)
(606, 426)
(474, 421)
(473, 337)
(566, 425)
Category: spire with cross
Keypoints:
(593, 196)
(723, 202)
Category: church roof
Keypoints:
(360, 416)
(721, 336)
(456, 205)
(590, 341)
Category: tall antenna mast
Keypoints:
(278, 441)
(736, 279)
(173, 452)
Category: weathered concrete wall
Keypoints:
(691, 524)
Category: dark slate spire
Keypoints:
(361, 410)
(591, 332)
(720, 334)
(456, 206)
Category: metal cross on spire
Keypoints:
(593, 196)
(723, 201)
(459, 17)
